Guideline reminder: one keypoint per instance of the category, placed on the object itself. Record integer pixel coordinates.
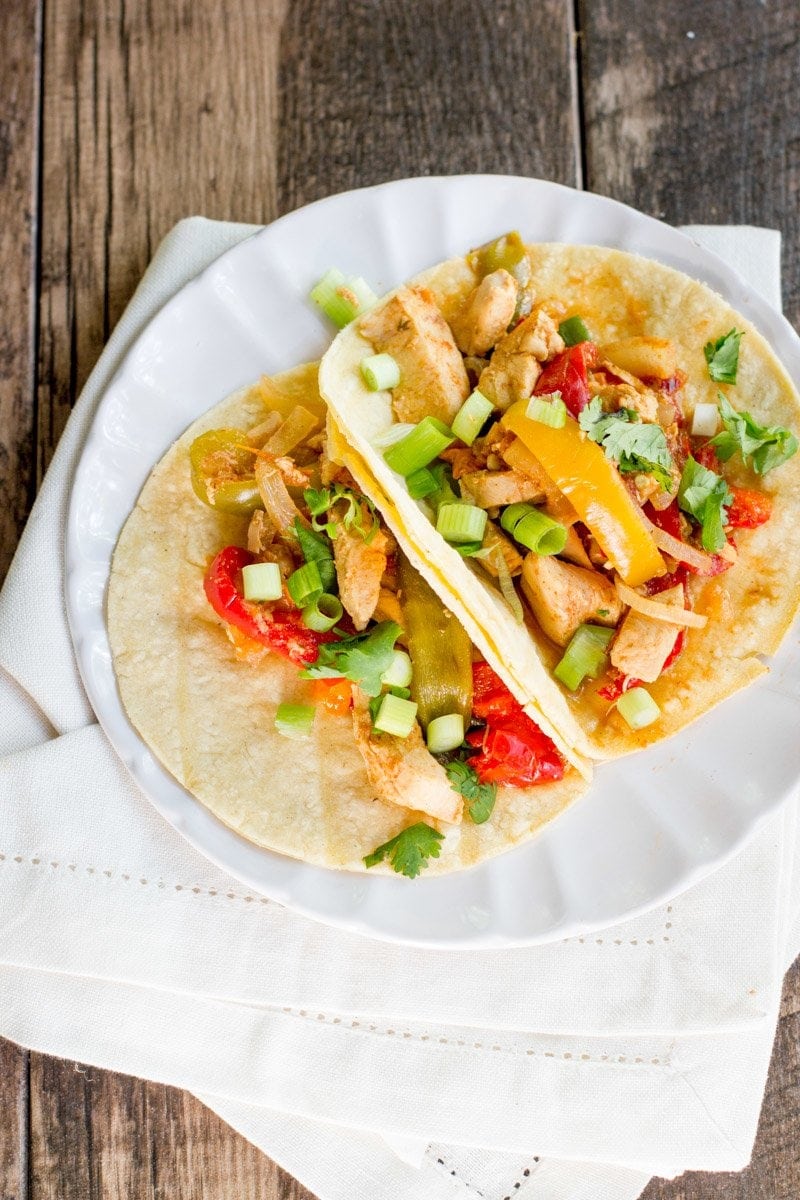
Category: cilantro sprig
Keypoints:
(765, 447)
(362, 658)
(705, 496)
(636, 447)
(321, 500)
(408, 853)
(722, 356)
(480, 797)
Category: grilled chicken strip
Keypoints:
(563, 596)
(486, 313)
(402, 770)
(643, 645)
(433, 378)
(517, 360)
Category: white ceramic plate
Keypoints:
(653, 823)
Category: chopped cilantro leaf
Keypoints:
(409, 851)
(722, 357)
(318, 549)
(480, 797)
(765, 447)
(636, 447)
(362, 658)
(705, 496)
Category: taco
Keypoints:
(284, 659)
(594, 454)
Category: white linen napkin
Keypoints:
(366, 1069)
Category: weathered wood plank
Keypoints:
(104, 1136)
(691, 113)
(152, 112)
(433, 88)
(13, 1122)
(19, 132)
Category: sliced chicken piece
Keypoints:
(494, 538)
(464, 459)
(563, 596)
(486, 314)
(492, 489)
(260, 532)
(433, 378)
(293, 476)
(517, 360)
(615, 396)
(359, 569)
(643, 645)
(402, 770)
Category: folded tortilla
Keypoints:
(208, 715)
(750, 607)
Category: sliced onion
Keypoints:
(728, 552)
(281, 508)
(675, 548)
(297, 426)
(670, 613)
(507, 586)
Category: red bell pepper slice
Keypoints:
(749, 508)
(490, 696)
(568, 374)
(282, 630)
(514, 751)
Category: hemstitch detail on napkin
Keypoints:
(568, 1057)
(509, 1191)
(662, 935)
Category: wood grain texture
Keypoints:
(390, 90)
(100, 1136)
(19, 143)
(14, 1140)
(691, 113)
(152, 112)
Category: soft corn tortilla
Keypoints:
(208, 715)
(750, 607)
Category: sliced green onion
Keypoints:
(471, 417)
(585, 655)
(512, 515)
(638, 708)
(340, 298)
(548, 412)
(425, 443)
(305, 584)
(540, 533)
(295, 720)
(573, 331)
(262, 581)
(323, 613)
(399, 672)
(422, 483)
(461, 522)
(445, 733)
(395, 716)
(380, 372)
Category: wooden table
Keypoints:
(118, 117)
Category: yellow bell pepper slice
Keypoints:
(582, 473)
